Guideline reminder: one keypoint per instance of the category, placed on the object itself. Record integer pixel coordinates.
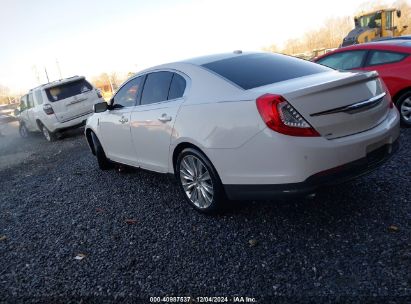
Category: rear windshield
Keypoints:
(67, 90)
(256, 70)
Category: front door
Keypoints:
(114, 124)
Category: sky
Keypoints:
(88, 37)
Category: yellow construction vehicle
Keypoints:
(373, 26)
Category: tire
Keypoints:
(23, 131)
(48, 135)
(404, 107)
(103, 162)
(203, 194)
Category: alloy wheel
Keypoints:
(406, 110)
(46, 133)
(196, 181)
(23, 131)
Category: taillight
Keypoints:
(390, 103)
(281, 117)
(99, 95)
(388, 96)
(48, 109)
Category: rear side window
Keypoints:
(344, 60)
(255, 70)
(380, 57)
(156, 87)
(67, 90)
(177, 87)
(30, 102)
(39, 97)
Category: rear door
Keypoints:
(72, 99)
(153, 120)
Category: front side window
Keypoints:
(156, 87)
(177, 87)
(67, 90)
(344, 60)
(388, 20)
(23, 103)
(381, 57)
(127, 95)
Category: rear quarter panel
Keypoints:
(215, 115)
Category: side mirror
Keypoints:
(16, 112)
(399, 14)
(100, 107)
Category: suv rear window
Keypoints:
(256, 70)
(67, 90)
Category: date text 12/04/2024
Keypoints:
(235, 299)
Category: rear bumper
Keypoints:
(78, 125)
(71, 124)
(335, 175)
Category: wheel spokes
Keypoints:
(196, 181)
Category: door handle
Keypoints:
(123, 120)
(164, 118)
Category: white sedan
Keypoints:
(247, 126)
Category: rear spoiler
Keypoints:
(354, 77)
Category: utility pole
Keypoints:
(45, 70)
(111, 84)
(58, 68)
(36, 73)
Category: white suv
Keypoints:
(57, 106)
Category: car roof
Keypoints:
(196, 61)
(216, 57)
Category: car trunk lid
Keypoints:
(336, 104)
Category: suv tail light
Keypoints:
(48, 109)
(281, 117)
(99, 95)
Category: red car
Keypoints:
(392, 60)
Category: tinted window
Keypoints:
(39, 97)
(67, 90)
(379, 57)
(177, 87)
(30, 102)
(23, 103)
(127, 95)
(255, 70)
(156, 87)
(344, 60)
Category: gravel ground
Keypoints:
(135, 237)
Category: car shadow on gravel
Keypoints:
(322, 204)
